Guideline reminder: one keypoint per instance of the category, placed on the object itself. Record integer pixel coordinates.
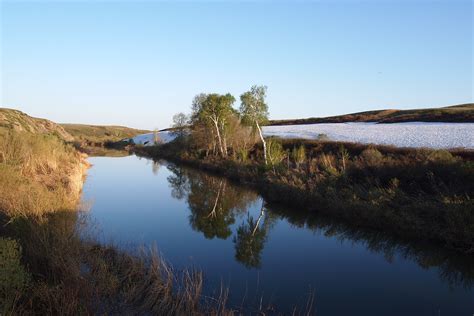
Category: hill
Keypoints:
(20, 122)
(101, 134)
(462, 113)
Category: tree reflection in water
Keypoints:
(215, 204)
(251, 237)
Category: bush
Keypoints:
(275, 152)
(372, 157)
(298, 155)
(13, 276)
(441, 156)
(243, 155)
(322, 137)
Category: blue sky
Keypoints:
(138, 63)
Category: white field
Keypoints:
(148, 139)
(412, 134)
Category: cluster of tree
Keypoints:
(218, 128)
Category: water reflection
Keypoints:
(213, 202)
(251, 237)
(216, 205)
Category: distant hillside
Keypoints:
(463, 113)
(101, 134)
(18, 121)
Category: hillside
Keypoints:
(101, 134)
(462, 113)
(20, 122)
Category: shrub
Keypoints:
(275, 152)
(441, 156)
(298, 155)
(372, 157)
(344, 155)
(243, 155)
(13, 276)
(328, 163)
(322, 137)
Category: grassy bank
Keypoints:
(462, 113)
(413, 193)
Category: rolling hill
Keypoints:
(462, 113)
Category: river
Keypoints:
(268, 253)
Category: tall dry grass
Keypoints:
(39, 174)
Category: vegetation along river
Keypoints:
(268, 253)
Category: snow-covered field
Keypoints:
(413, 134)
(149, 139)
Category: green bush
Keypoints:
(243, 155)
(372, 157)
(275, 152)
(441, 156)
(298, 155)
(13, 276)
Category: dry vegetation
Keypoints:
(40, 174)
(95, 135)
(14, 120)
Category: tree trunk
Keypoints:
(263, 142)
(219, 136)
(224, 140)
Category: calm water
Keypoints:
(265, 251)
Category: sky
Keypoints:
(136, 63)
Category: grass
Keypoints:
(14, 120)
(39, 174)
(416, 193)
(67, 275)
(96, 135)
(457, 113)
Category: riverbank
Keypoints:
(420, 194)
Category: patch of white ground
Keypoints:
(412, 134)
(149, 139)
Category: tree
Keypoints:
(254, 111)
(180, 121)
(214, 109)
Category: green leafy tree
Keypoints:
(254, 111)
(214, 110)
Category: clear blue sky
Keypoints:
(138, 63)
